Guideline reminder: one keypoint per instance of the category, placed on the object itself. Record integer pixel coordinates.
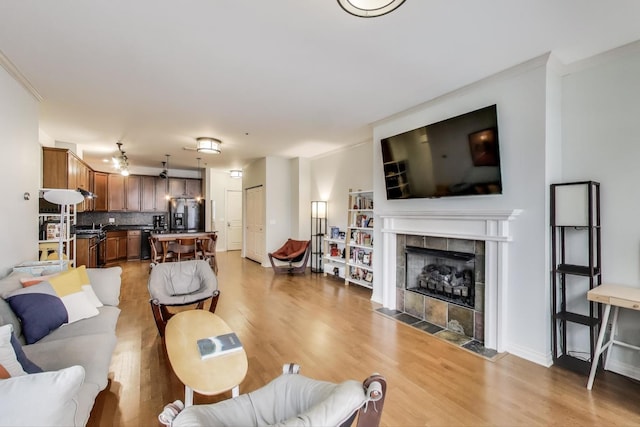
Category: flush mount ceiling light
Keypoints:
(208, 145)
(235, 174)
(369, 8)
(121, 162)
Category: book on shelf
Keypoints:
(219, 345)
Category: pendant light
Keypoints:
(166, 185)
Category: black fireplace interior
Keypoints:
(445, 275)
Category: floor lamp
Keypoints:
(64, 198)
(318, 230)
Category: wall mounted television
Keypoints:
(459, 156)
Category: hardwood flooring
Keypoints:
(334, 333)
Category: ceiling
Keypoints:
(284, 78)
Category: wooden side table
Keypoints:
(209, 376)
(616, 296)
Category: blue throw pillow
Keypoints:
(27, 365)
(39, 309)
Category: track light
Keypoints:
(121, 162)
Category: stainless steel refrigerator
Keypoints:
(185, 214)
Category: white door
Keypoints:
(254, 248)
(234, 220)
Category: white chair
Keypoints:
(289, 400)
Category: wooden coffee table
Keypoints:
(210, 376)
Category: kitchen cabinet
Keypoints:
(123, 193)
(100, 190)
(86, 252)
(63, 169)
(153, 194)
(115, 191)
(132, 191)
(116, 246)
(185, 187)
(133, 244)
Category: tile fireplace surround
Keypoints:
(491, 227)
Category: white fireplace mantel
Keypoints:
(491, 226)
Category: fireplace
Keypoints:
(448, 230)
(444, 275)
(441, 281)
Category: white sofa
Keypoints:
(75, 359)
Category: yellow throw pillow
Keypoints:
(74, 281)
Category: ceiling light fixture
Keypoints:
(236, 173)
(208, 145)
(121, 162)
(369, 8)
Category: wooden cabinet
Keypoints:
(63, 169)
(133, 244)
(86, 252)
(185, 187)
(132, 191)
(100, 190)
(193, 187)
(123, 193)
(55, 168)
(153, 194)
(115, 191)
(116, 246)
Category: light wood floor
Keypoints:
(333, 332)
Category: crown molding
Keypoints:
(18, 76)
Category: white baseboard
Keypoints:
(631, 371)
(533, 356)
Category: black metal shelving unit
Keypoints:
(318, 231)
(581, 225)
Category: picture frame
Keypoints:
(335, 232)
(342, 235)
(369, 223)
(368, 277)
(483, 145)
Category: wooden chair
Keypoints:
(185, 249)
(295, 253)
(157, 252)
(178, 284)
(207, 251)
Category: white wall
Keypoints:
(300, 199)
(333, 174)
(520, 94)
(217, 183)
(278, 202)
(601, 142)
(20, 164)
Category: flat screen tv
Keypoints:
(459, 156)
